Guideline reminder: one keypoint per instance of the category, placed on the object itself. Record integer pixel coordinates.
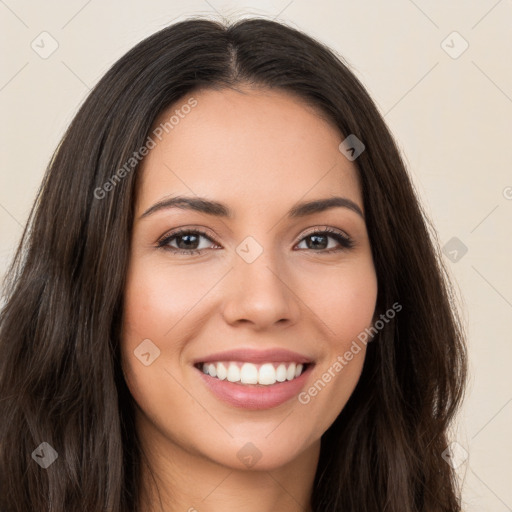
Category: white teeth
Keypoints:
(212, 370)
(281, 373)
(248, 373)
(222, 371)
(267, 374)
(233, 373)
(290, 373)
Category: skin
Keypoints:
(259, 152)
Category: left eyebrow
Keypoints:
(209, 207)
(320, 205)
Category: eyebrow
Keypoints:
(210, 207)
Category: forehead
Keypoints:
(246, 147)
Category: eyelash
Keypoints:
(345, 241)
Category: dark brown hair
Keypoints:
(60, 375)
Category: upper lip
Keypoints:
(276, 355)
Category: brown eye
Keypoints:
(187, 241)
(318, 241)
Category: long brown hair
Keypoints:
(60, 375)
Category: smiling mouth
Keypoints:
(251, 374)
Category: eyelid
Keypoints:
(329, 229)
(186, 229)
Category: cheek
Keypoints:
(158, 297)
(345, 301)
(151, 307)
(153, 303)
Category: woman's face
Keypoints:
(261, 281)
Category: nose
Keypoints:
(260, 293)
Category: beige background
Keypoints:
(451, 117)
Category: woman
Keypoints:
(227, 296)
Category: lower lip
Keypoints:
(256, 396)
